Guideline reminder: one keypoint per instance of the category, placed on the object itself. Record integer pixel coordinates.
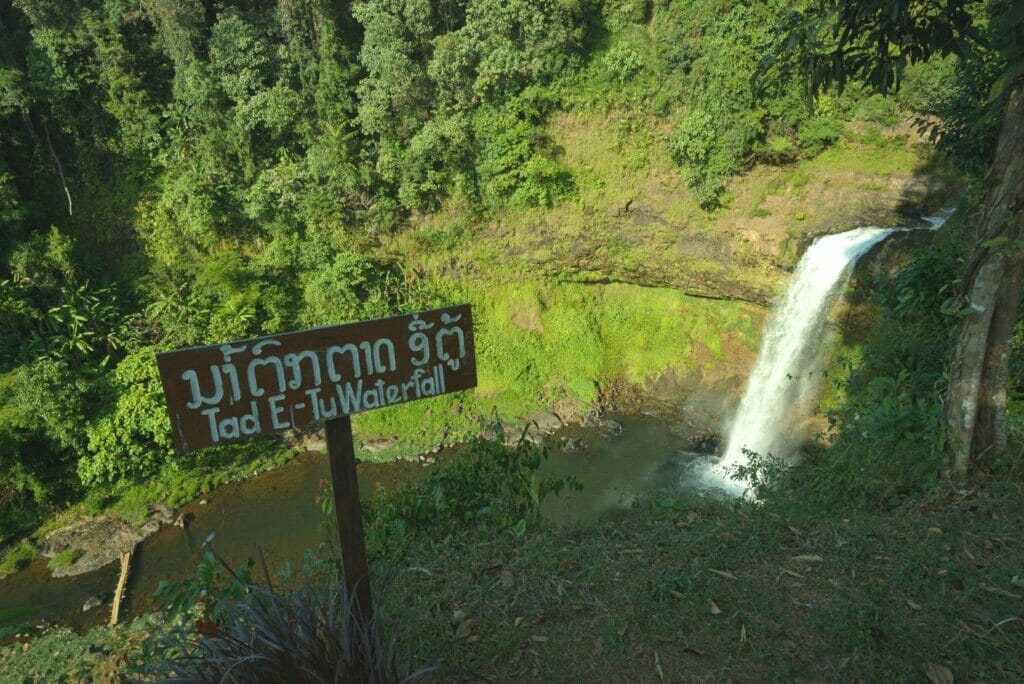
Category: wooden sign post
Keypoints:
(223, 393)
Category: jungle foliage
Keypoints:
(177, 173)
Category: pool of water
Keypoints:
(278, 511)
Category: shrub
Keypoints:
(777, 149)
(494, 487)
(622, 63)
(334, 290)
(818, 133)
(132, 436)
(18, 557)
(544, 181)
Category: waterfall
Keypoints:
(786, 376)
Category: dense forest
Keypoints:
(177, 173)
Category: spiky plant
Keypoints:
(304, 635)
(310, 634)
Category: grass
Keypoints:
(872, 154)
(701, 590)
(543, 345)
(689, 588)
(64, 559)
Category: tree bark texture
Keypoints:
(975, 408)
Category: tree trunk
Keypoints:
(975, 409)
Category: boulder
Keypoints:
(94, 601)
(102, 540)
(546, 421)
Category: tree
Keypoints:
(833, 41)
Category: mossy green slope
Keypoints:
(543, 345)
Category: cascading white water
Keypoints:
(782, 380)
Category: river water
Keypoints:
(277, 510)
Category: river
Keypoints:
(277, 510)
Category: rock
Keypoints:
(314, 442)
(102, 540)
(623, 210)
(574, 444)
(606, 425)
(380, 444)
(531, 434)
(703, 442)
(94, 601)
(184, 520)
(510, 433)
(546, 421)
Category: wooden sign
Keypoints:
(225, 392)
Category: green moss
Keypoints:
(539, 344)
(64, 559)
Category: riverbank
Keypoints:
(548, 352)
(682, 588)
(615, 458)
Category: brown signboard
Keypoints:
(225, 392)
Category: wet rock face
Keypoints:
(704, 442)
(101, 540)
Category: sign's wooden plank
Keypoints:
(225, 392)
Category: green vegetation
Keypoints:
(18, 557)
(62, 655)
(64, 559)
(884, 403)
(175, 174)
(171, 176)
(703, 589)
(677, 584)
